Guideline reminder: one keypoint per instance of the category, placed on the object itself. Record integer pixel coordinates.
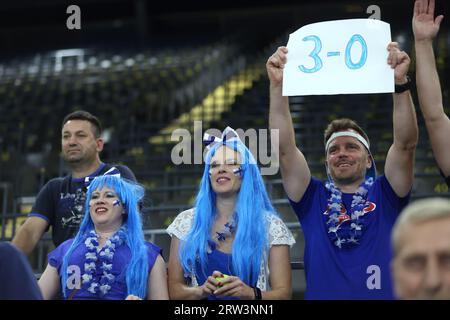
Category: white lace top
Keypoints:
(279, 234)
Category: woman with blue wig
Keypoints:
(226, 245)
(108, 258)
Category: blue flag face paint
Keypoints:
(117, 203)
(238, 172)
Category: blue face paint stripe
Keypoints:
(238, 171)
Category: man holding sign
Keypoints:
(347, 221)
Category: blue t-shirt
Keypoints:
(360, 272)
(122, 257)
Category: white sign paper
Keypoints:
(339, 57)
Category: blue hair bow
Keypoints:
(228, 134)
(111, 172)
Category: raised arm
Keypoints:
(425, 28)
(399, 166)
(294, 168)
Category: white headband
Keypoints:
(347, 134)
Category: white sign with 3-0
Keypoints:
(339, 57)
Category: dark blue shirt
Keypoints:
(17, 281)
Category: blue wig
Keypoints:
(253, 204)
(129, 194)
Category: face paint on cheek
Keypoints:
(238, 172)
(116, 203)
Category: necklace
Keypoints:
(99, 283)
(345, 230)
(226, 230)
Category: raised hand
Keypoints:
(425, 26)
(399, 61)
(275, 65)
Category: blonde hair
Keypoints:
(419, 211)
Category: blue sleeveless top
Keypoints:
(217, 261)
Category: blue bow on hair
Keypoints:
(227, 135)
(111, 172)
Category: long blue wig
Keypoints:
(129, 194)
(252, 206)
